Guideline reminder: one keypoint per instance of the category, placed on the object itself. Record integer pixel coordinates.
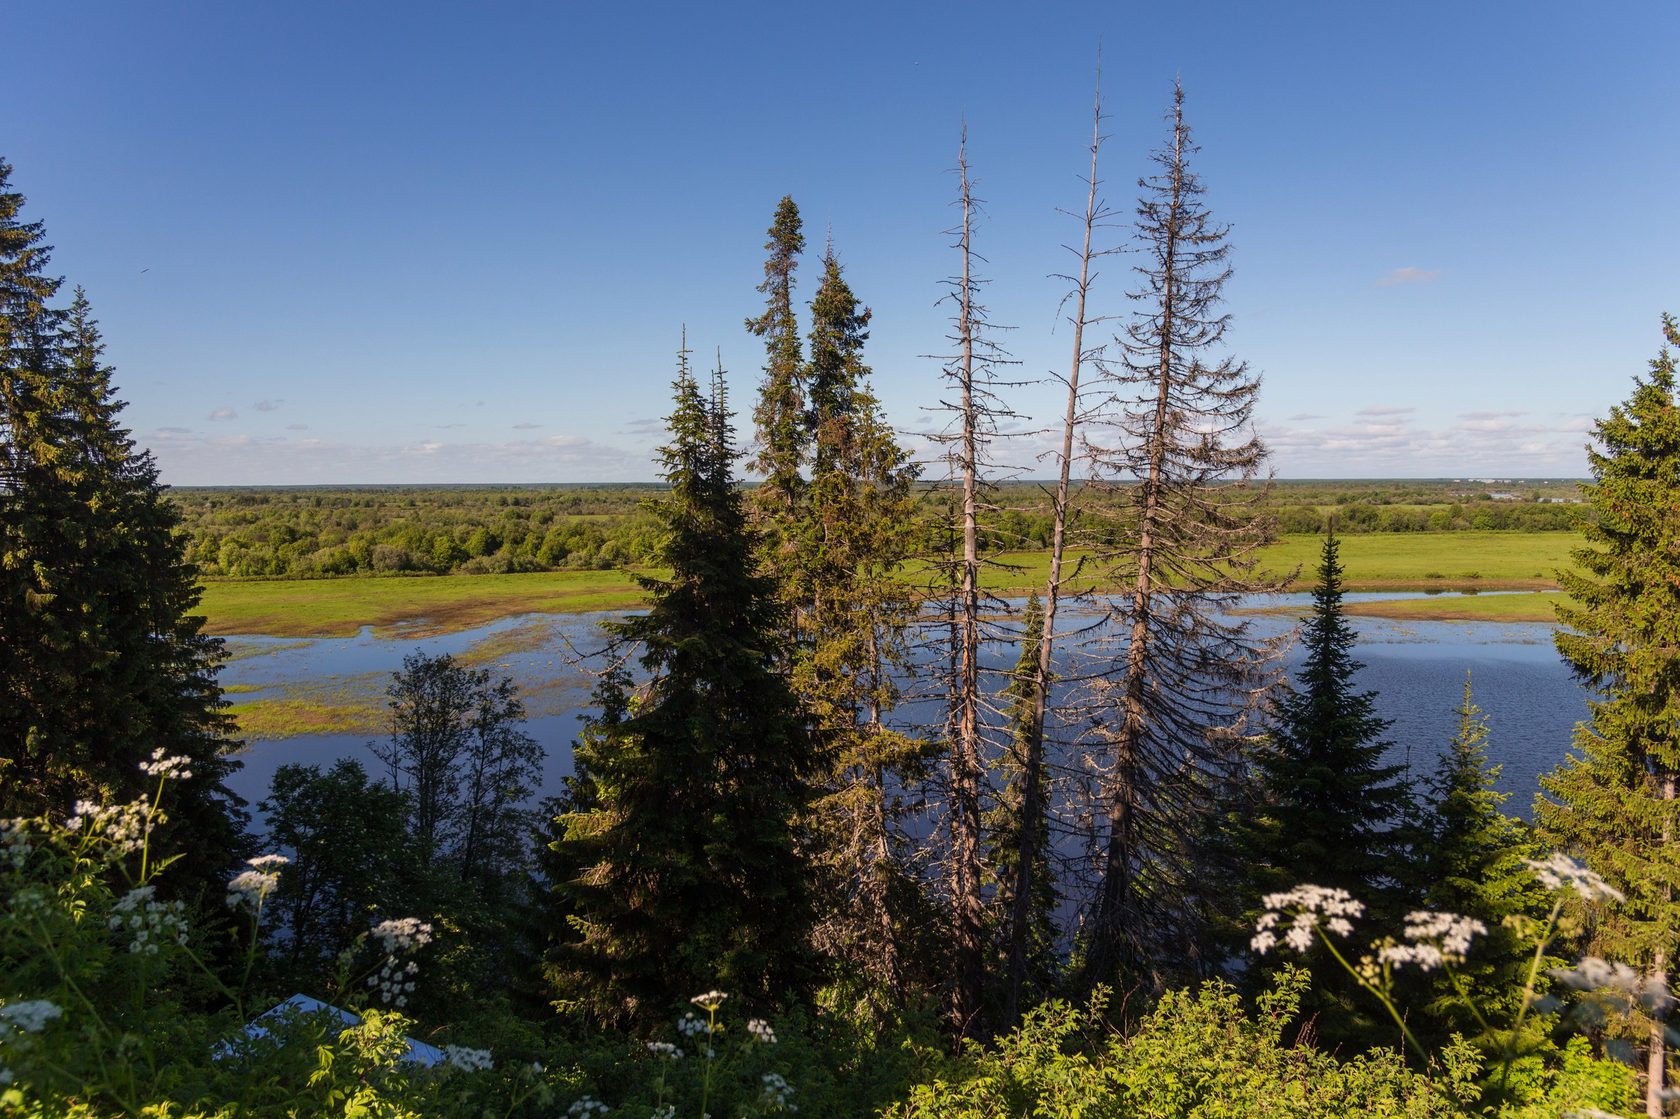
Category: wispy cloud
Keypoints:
(652, 425)
(224, 414)
(1508, 414)
(1409, 276)
(1385, 410)
(1393, 443)
(268, 405)
(526, 427)
(1302, 417)
(297, 427)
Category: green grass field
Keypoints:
(444, 603)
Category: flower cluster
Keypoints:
(124, 826)
(1559, 871)
(710, 1001)
(147, 920)
(403, 934)
(665, 1049)
(691, 1026)
(1435, 939)
(395, 978)
(1594, 974)
(30, 1016)
(1311, 906)
(14, 838)
(467, 1060)
(251, 888)
(586, 1106)
(761, 1031)
(160, 766)
(777, 1092)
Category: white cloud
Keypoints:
(526, 427)
(224, 414)
(268, 405)
(297, 427)
(1385, 410)
(1409, 276)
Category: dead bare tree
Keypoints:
(1184, 674)
(1030, 742)
(971, 370)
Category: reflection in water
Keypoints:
(1417, 668)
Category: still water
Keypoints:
(1417, 670)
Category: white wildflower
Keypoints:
(709, 1001)
(268, 862)
(148, 921)
(586, 1106)
(251, 888)
(1594, 974)
(777, 1092)
(160, 766)
(31, 903)
(691, 1026)
(467, 1060)
(761, 1031)
(14, 837)
(403, 934)
(124, 826)
(665, 1049)
(30, 1016)
(1436, 939)
(1311, 907)
(669, 1111)
(1559, 871)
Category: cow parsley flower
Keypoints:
(467, 1060)
(124, 826)
(1558, 871)
(689, 1025)
(148, 921)
(30, 1016)
(710, 1001)
(251, 888)
(665, 1049)
(1435, 939)
(403, 934)
(395, 978)
(777, 1092)
(587, 1106)
(173, 767)
(14, 838)
(761, 1031)
(1311, 906)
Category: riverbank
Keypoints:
(421, 605)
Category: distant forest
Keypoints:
(319, 532)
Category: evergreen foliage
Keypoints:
(690, 876)
(102, 661)
(1613, 802)
(1009, 818)
(1327, 803)
(1472, 861)
(783, 435)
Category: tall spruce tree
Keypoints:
(102, 660)
(1327, 803)
(689, 877)
(849, 535)
(783, 436)
(1327, 807)
(1613, 801)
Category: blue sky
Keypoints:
(413, 243)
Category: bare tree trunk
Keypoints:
(965, 739)
(1656, 1063)
(1032, 764)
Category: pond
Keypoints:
(1416, 668)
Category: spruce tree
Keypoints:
(1327, 809)
(782, 435)
(102, 660)
(1327, 803)
(1471, 861)
(1013, 814)
(1612, 803)
(689, 877)
(848, 537)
